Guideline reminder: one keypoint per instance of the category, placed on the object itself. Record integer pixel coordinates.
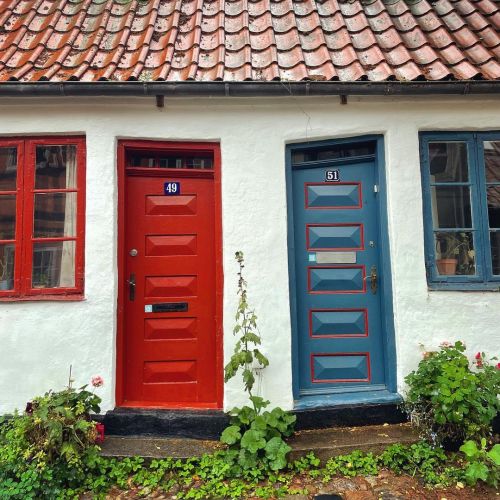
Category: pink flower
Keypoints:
(498, 366)
(479, 363)
(478, 355)
(97, 381)
(445, 344)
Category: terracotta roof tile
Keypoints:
(236, 40)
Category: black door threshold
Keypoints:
(202, 424)
(354, 415)
(209, 424)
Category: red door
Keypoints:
(169, 282)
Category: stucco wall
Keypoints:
(39, 340)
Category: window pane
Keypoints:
(55, 215)
(495, 251)
(198, 162)
(455, 253)
(494, 206)
(55, 167)
(54, 265)
(492, 160)
(8, 169)
(448, 162)
(7, 255)
(140, 159)
(451, 207)
(7, 217)
(176, 160)
(334, 152)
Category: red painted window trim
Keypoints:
(24, 240)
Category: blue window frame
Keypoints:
(461, 198)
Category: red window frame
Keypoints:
(24, 230)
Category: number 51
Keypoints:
(332, 176)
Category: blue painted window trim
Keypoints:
(484, 279)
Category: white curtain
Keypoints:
(67, 278)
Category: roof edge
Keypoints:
(245, 89)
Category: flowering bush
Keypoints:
(448, 398)
(54, 426)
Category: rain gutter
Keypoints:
(245, 89)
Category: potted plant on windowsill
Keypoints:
(455, 254)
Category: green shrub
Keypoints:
(422, 459)
(447, 399)
(47, 451)
(258, 436)
(254, 436)
(482, 464)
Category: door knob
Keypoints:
(133, 252)
(373, 279)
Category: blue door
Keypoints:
(339, 338)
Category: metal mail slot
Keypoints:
(170, 307)
(336, 257)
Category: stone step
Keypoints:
(325, 443)
(208, 424)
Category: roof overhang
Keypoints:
(246, 89)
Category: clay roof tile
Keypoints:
(237, 40)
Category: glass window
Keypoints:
(55, 167)
(337, 152)
(51, 208)
(162, 159)
(492, 173)
(461, 180)
(8, 168)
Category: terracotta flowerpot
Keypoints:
(447, 266)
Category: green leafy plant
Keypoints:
(244, 354)
(452, 245)
(422, 459)
(355, 464)
(258, 435)
(482, 464)
(448, 399)
(45, 450)
(254, 435)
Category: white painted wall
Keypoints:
(39, 340)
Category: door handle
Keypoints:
(373, 279)
(131, 287)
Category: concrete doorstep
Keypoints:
(325, 443)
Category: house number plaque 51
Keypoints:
(332, 176)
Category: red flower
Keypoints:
(479, 363)
(478, 355)
(498, 366)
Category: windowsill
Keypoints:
(464, 287)
(45, 298)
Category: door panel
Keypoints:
(336, 233)
(170, 346)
